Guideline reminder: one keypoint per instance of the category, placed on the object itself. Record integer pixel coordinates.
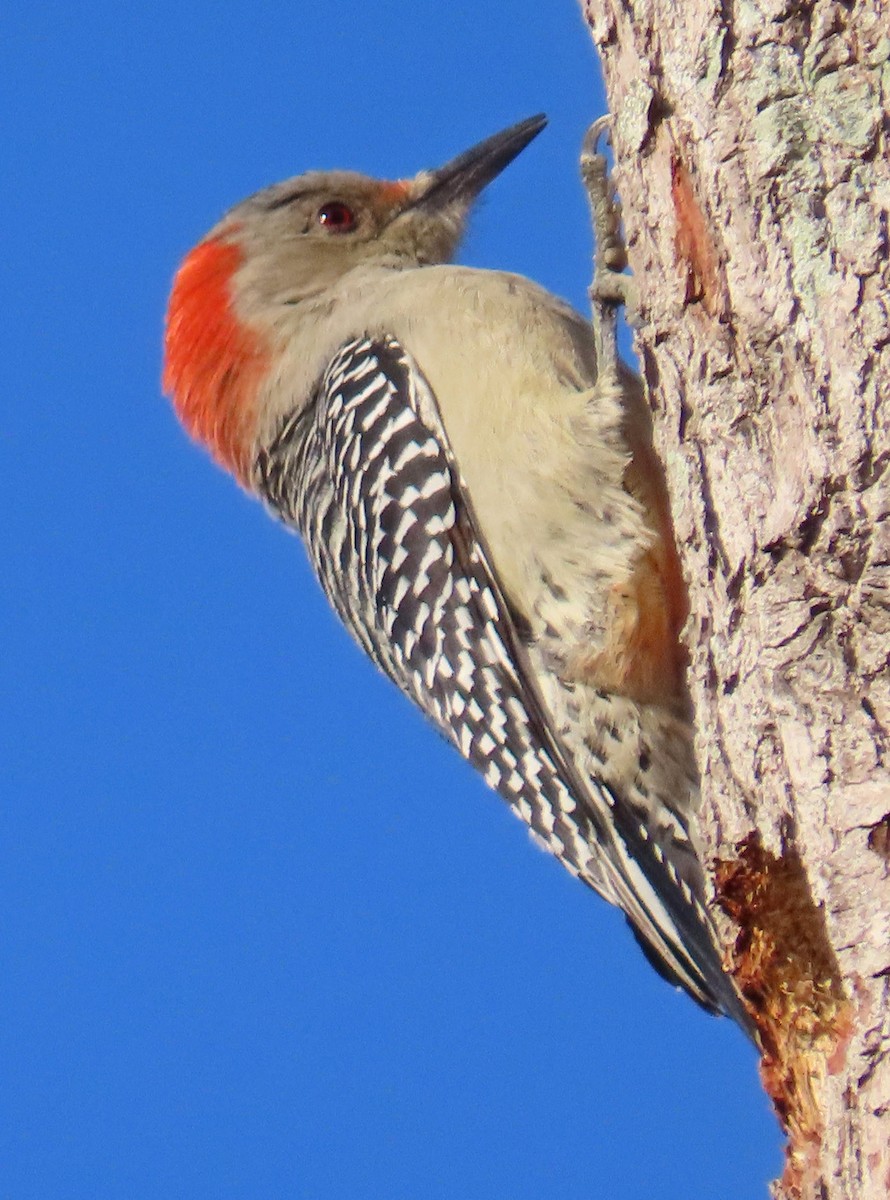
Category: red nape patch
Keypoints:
(213, 363)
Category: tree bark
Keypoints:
(751, 148)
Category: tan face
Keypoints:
(299, 237)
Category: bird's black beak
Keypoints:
(460, 181)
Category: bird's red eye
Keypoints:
(336, 217)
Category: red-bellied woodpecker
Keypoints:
(483, 509)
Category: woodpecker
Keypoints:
(481, 505)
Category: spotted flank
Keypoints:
(367, 477)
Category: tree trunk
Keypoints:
(752, 163)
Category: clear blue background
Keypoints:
(265, 935)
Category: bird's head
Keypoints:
(289, 243)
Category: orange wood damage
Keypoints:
(786, 971)
(694, 245)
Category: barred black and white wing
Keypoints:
(366, 475)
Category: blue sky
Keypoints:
(265, 935)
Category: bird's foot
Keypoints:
(611, 287)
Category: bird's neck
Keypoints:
(214, 362)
